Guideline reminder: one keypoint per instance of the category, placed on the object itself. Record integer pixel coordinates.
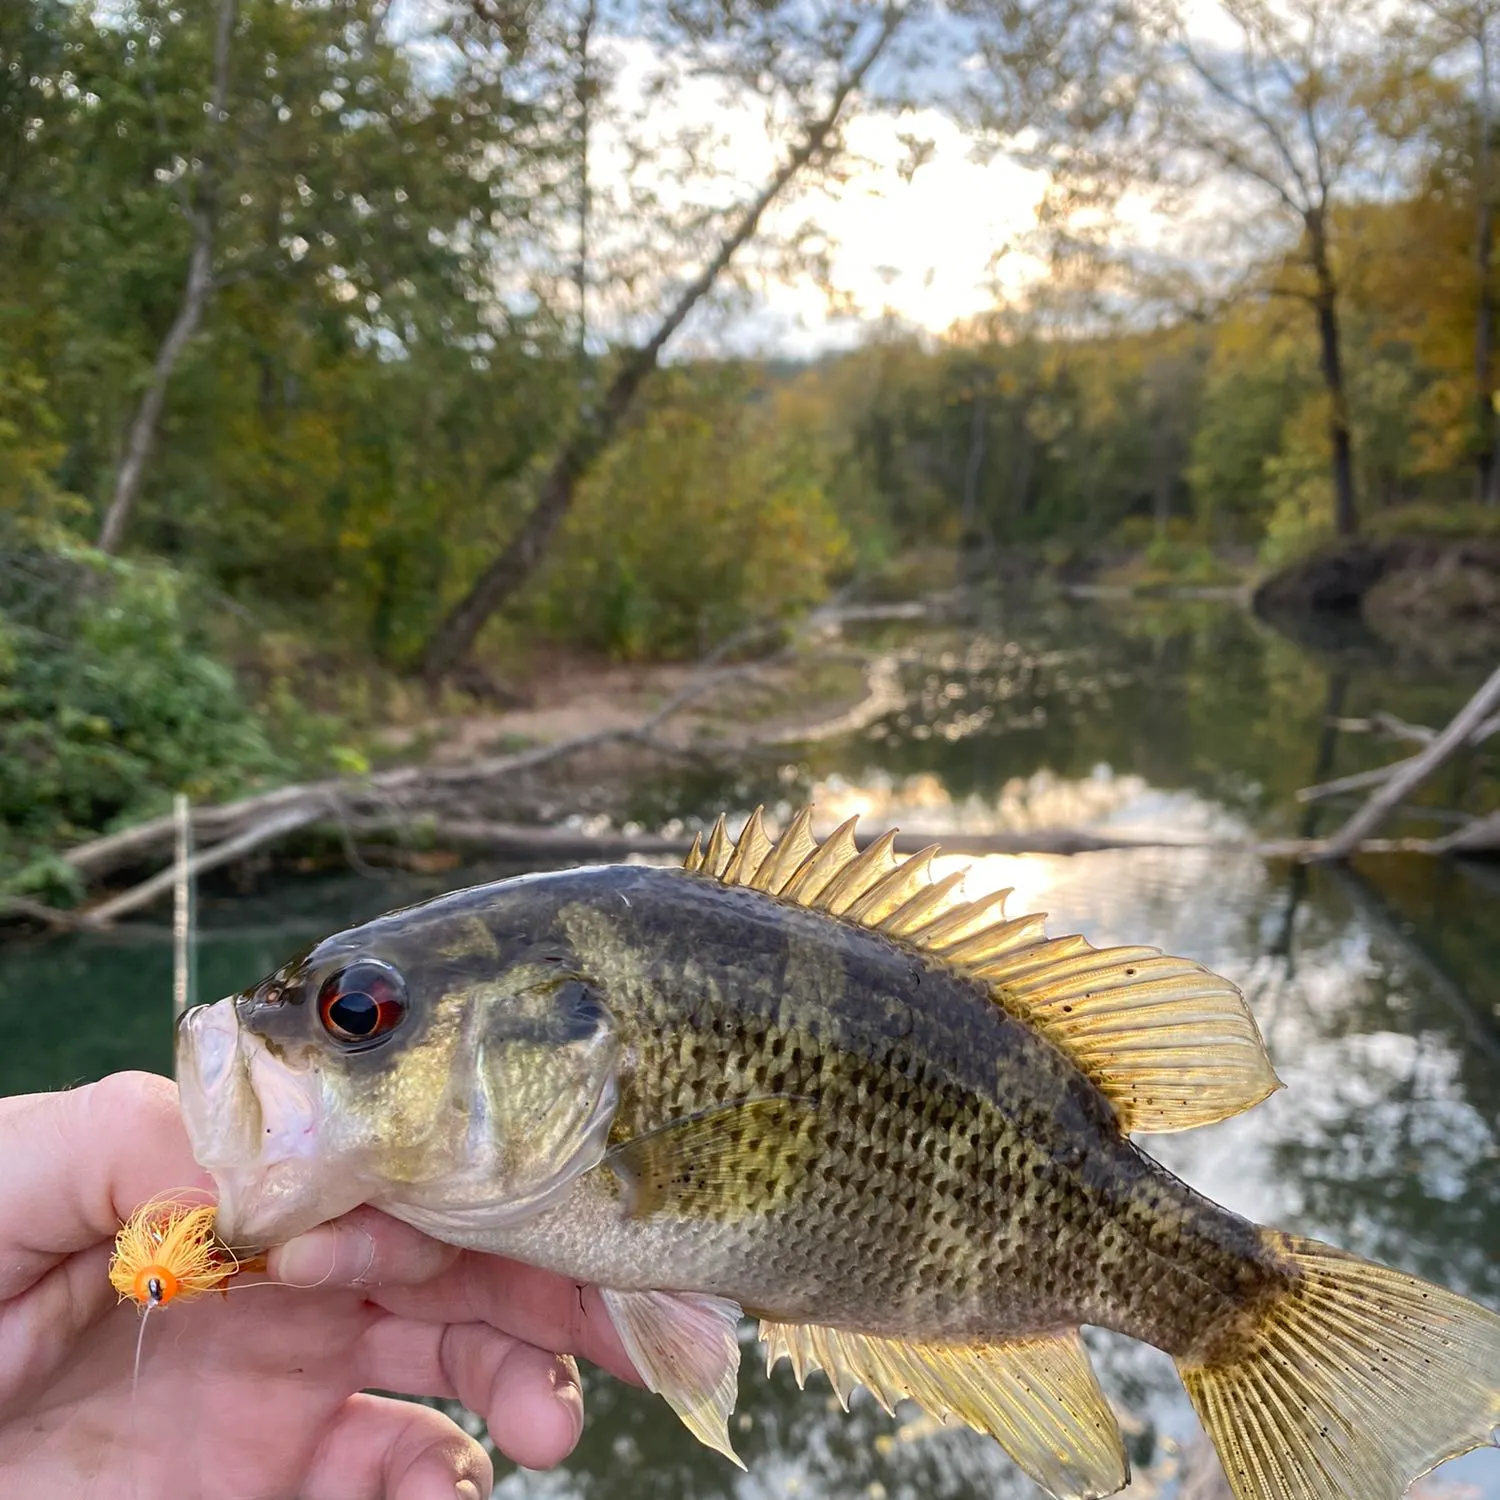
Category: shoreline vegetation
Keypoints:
(346, 385)
(494, 781)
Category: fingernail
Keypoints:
(569, 1391)
(324, 1256)
(465, 1489)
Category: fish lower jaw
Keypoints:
(270, 1203)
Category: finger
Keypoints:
(530, 1398)
(39, 1331)
(538, 1307)
(363, 1248)
(381, 1449)
(78, 1163)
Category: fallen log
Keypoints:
(38, 911)
(1357, 781)
(288, 820)
(1464, 724)
(563, 844)
(1481, 835)
(155, 836)
(1398, 728)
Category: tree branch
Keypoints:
(1248, 107)
(1414, 771)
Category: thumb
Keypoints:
(78, 1163)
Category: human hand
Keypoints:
(256, 1395)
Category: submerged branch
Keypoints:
(1392, 791)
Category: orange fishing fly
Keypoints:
(168, 1251)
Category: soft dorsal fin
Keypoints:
(1170, 1044)
(1037, 1397)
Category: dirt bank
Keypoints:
(1439, 597)
(783, 700)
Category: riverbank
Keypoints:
(590, 736)
(563, 695)
(1434, 596)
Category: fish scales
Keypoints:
(963, 1178)
(818, 1084)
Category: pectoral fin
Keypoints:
(724, 1163)
(686, 1347)
(1037, 1397)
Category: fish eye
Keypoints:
(581, 1011)
(361, 1004)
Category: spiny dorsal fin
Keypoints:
(1170, 1044)
(1037, 1397)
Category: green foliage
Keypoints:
(109, 703)
(1185, 562)
(1453, 520)
(711, 514)
(1249, 398)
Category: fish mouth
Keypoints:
(256, 1126)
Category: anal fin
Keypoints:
(686, 1347)
(1038, 1397)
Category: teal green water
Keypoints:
(1378, 989)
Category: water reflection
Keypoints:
(1377, 990)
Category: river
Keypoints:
(1377, 987)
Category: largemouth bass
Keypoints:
(820, 1087)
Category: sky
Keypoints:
(927, 250)
(941, 247)
(923, 250)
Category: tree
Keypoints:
(303, 160)
(199, 206)
(1271, 123)
(859, 45)
(1465, 30)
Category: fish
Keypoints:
(817, 1085)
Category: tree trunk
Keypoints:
(1484, 321)
(1345, 511)
(1484, 396)
(195, 295)
(969, 518)
(455, 636)
(583, 99)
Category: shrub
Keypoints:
(109, 701)
(710, 514)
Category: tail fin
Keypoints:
(1354, 1382)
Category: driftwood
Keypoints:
(399, 794)
(1410, 774)
(1389, 724)
(567, 843)
(264, 832)
(536, 842)
(434, 802)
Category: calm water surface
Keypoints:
(1378, 990)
